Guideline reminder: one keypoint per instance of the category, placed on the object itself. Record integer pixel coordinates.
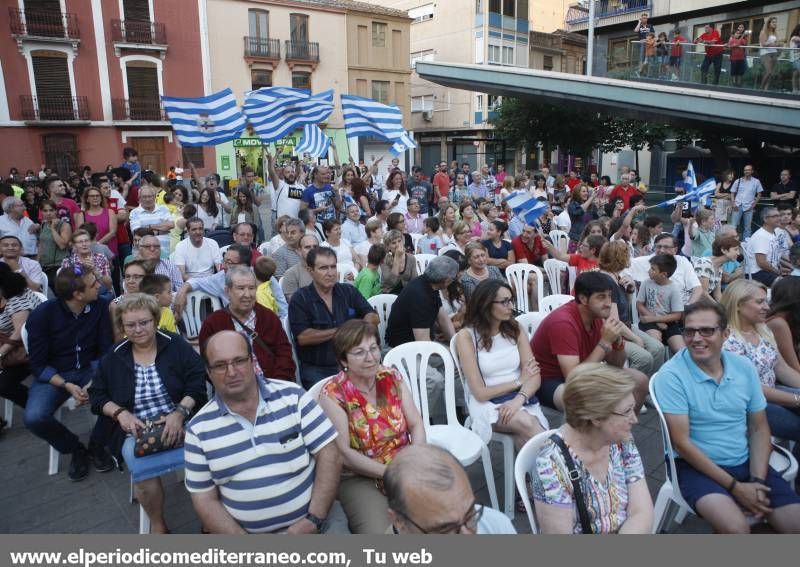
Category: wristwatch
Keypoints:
(184, 410)
(318, 522)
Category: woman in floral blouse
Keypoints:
(82, 255)
(599, 410)
(374, 413)
(745, 302)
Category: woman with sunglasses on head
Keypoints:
(375, 415)
(745, 302)
(599, 412)
(95, 209)
(501, 375)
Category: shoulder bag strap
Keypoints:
(574, 477)
(252, 334)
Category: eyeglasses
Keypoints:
(228, 262)
(373, 351)
(221, 367)
(629, 413)
(469, 522)
(133, 277)
(149, 246)
(689, 332)
(133, 325)
(508, 302)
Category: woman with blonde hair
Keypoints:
(596, 445)
(745, 302)
(768, 40)
(398, 267)
(447, 221)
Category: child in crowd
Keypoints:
(699, 233)
(651, 64)
(97, 248)
(264, 269)
(368, 280)
(160, 287)
(660, 303)
(431, 242)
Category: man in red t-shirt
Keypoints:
(441, 181)
(676, 52)
(624, 191)
(581, 331)
(573, 179)
(714, 48)
(528, 246)
(738, 62)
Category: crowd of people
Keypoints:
(284, 404)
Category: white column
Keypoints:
(102, 59)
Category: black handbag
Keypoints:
(575, 478)
(149, 440)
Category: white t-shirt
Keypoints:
(343, 254)
(762, 242)
(402, 203)
(198, 262)
(288, 199)
(684, 277)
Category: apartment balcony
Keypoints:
(262, 49)
(304, 53)
(606, 13)
(54, 108)
(57, 27)
(137, 109)
(139, 35)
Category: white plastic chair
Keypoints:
(193, 314)
(553, 268)
(8, 405)
(669, 495)
(560, 240)
(530, 321)
(517, 275)
(524, 465)
(382, 303)
(288, 330)
(315, 391)
(552, 302)
(412, 360)
(422, 262)
(416, 237)
(634, 310)
(749, 259)
(505, 439)
(345, 269)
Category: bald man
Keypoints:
(429, 492)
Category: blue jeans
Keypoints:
(44, 399)
(737, 215)
(310, 374)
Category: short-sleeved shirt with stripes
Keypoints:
(264, 473)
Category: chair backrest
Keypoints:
(524, 465)
(672, 473)
(23, 336)
(344, 270)
(315, 391)
(416, 237)
(552, 302)
(560, 240)
(553, 268)
(412, 361)
(749, 258)
(193, 313)
(40, 295)
(422, 262)
(517, 275)
(634, 311)
(457, 363)
(531, 321)
(382, 303)
(288, 330)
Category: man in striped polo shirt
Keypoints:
(259, 455)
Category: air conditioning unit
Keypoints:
(427, 115)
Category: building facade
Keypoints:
(452, 124)
(81, 80)
(350, 47)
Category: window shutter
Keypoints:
(51, 77)
(136, 10)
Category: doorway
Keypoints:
(151, 153)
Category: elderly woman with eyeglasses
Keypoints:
(150, 376)
(599, 412)
(374, 413)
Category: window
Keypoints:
(421, 56)
(260, 78)
(378, 34)
(144, 101)
(494, 54)
(298, 28)
(380, 91)
(136, 10)
(195, 156)
(494, 102)
(508, 55)
(508, 8)
(547, 65)
(421, 103)
(478, 103)
(478, 50)
(494, 6)
(60, 153)
(618, 52)
(259, 23)
(522, 9)
(421, 13)
(479, 6)
(301, 80)
(53, 91)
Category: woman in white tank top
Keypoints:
(500, 374)
(768, 40)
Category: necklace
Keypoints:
(368, 390)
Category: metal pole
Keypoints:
(590, 43)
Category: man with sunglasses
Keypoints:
(716, 416)
(429, 493)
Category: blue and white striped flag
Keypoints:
(205, 121)
(532, 214)
(314, 142)
(275, 112)
(675, 200)
(704, 191)
(366, 117)
(691, 178)
(521, 201)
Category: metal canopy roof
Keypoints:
(771, 119)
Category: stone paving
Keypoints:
(33, 502)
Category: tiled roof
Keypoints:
(357, 6)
